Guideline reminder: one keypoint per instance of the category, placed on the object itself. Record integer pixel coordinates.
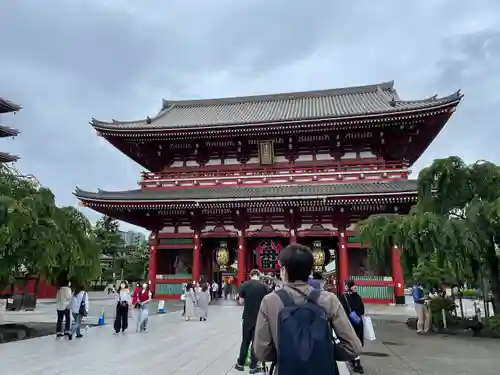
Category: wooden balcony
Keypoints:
(303, 172)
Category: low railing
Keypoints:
(321, 166)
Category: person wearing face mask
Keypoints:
(250, 296)
(123, 302)
(355, 309)
(143, 300)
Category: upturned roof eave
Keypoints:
(433, 104)
(85, 196)
(8, 158)
(7, 106)
(6, 131)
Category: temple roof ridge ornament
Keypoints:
(271, 109)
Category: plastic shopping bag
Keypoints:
(248, 360)
(369, 332)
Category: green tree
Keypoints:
(39, 239)
(457, 221)
(108, 237)
(79, 255)
(134, 264)
(17, 220)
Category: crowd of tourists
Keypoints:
(72, 305)
(296, 324)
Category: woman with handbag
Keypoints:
(144, 298)
(123, 301)
(355, 309)
(79, 310)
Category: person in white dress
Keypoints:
(190, 302)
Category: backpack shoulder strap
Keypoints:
(314, 296)
(285, 297)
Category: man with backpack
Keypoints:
(294, 325)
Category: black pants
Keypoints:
(121, 320)
(246, 341)
(360, 332)
(63, 314)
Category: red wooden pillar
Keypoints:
(153, 242)
(293, 236)
(241, 257)
(210, 264)
(343, 272)
(196, 256)
(397, 276)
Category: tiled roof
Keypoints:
(5, 131)
(7, 158)
(263, 109)
(251, 192)
(8, 106)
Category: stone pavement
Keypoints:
(400, 351)
(171, 346)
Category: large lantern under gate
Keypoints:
(319, 256)
(267, 256)
(222, 256)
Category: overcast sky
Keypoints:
(66, 61)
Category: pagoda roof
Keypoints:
(7, 158)
(348, 102)
(8, 106)
(251, 193)
(5, 131)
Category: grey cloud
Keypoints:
(67, 61)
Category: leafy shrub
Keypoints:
(493, 323)
(469, 293)
(439, 303)
(436, 305)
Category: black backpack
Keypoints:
(305, 340)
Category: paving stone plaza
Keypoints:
(171, 346)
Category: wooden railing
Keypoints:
(322, 166)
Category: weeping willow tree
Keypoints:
(39, 239)
(455, 223)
